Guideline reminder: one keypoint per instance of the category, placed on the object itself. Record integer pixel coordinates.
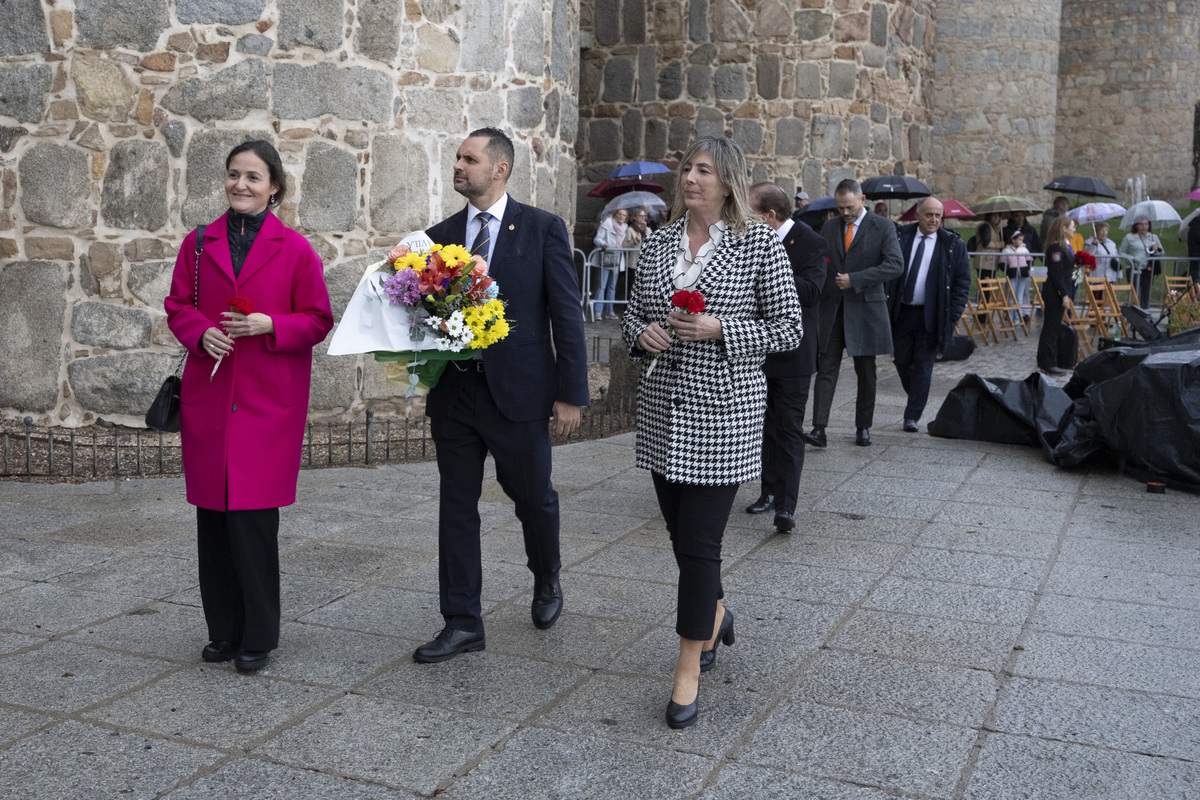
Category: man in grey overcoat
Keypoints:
(864, 254)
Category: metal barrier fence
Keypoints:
(591, 263)
(108, 452)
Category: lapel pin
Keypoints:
(512, 227)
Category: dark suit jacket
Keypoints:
(947, 283)
(544, 357)
(873, 260)
(809, 255)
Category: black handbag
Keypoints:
(164, 411)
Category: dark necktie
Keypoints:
(480, 246)
(910, 285)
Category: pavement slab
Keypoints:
(950, 619)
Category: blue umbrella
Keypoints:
(638, 168)
(824, 204)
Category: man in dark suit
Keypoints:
(926, 302)
(501, 401)
(864, 255)
(789, 373)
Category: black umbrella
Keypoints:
(887, 187)
(1079, 184)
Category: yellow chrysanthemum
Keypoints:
(487, 323)
(435, 248)
(455, 254)
(410, 261)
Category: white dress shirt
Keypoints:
(923, 268)
(688, 270)
(474, 224)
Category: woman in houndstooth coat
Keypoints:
(703, 393)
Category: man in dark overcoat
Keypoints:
(789, 373)
(926, 302)
(864, 255)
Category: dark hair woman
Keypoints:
(244, 400)
(702, 394)
(1058, 288)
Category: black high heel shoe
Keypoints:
(708, 658)
(682, 716)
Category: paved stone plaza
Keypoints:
(951, 620)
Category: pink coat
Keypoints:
(243, 432)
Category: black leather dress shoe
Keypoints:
(785, 521)
(725, 635)
(815, 437)
(681, 716)
(447, 644)
(252, 661)
(762, 505)
(863, 437)
(219, 651)
(910, 426)
(1054, 371)
(547, 602)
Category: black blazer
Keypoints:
(544, 356)
(809, 255)
(948, 282)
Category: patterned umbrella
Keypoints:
(1004, 203)
(1095, 212)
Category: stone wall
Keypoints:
(814, 91)
(994, 104)
(1127, 93)
(115, 118)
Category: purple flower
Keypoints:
(401, 288)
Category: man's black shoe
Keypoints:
(785, 521)
(219, 651)
(547, 602)
(1054, 371)
(816, 437)
(762, 505)
(249, 661)
(910, 426)
(447, 645)
(863, 438)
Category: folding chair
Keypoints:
(1081, 324)
(977, 322)
(992, 298)
(1176, 288)
(1103, 309)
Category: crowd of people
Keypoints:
(734, 304)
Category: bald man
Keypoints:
(925, 302)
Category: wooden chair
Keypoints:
(1035, 293)
(1102, 307)
(1082, 325)
(1124, 294)
(994, 300)
(976, 322)
(1176, 287)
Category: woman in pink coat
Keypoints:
(245, 396)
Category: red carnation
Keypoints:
(242, 305)
(691, 302)
(1086, 259)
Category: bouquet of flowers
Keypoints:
(688, 302)
(421, 307)
(1085, 264)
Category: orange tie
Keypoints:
(849, 235)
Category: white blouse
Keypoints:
(688, 270)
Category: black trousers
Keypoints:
(829, 364)
(473, 428)
(696, 517)
(1145, 285)
(1047, 350)
(914, 350)
(239, 576)
(783, 442)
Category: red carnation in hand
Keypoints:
(242, 305)
(691, 302)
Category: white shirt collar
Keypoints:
(785, 228)
(858, 220)
(688, 269)
(497, 209)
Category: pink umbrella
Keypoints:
(1194, 194)
(950, 210)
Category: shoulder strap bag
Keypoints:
(164, 411)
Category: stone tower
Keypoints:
(1128, 88)
(115, 118)
(814, 92)
(994, 102)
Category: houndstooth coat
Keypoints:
(700, 411)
